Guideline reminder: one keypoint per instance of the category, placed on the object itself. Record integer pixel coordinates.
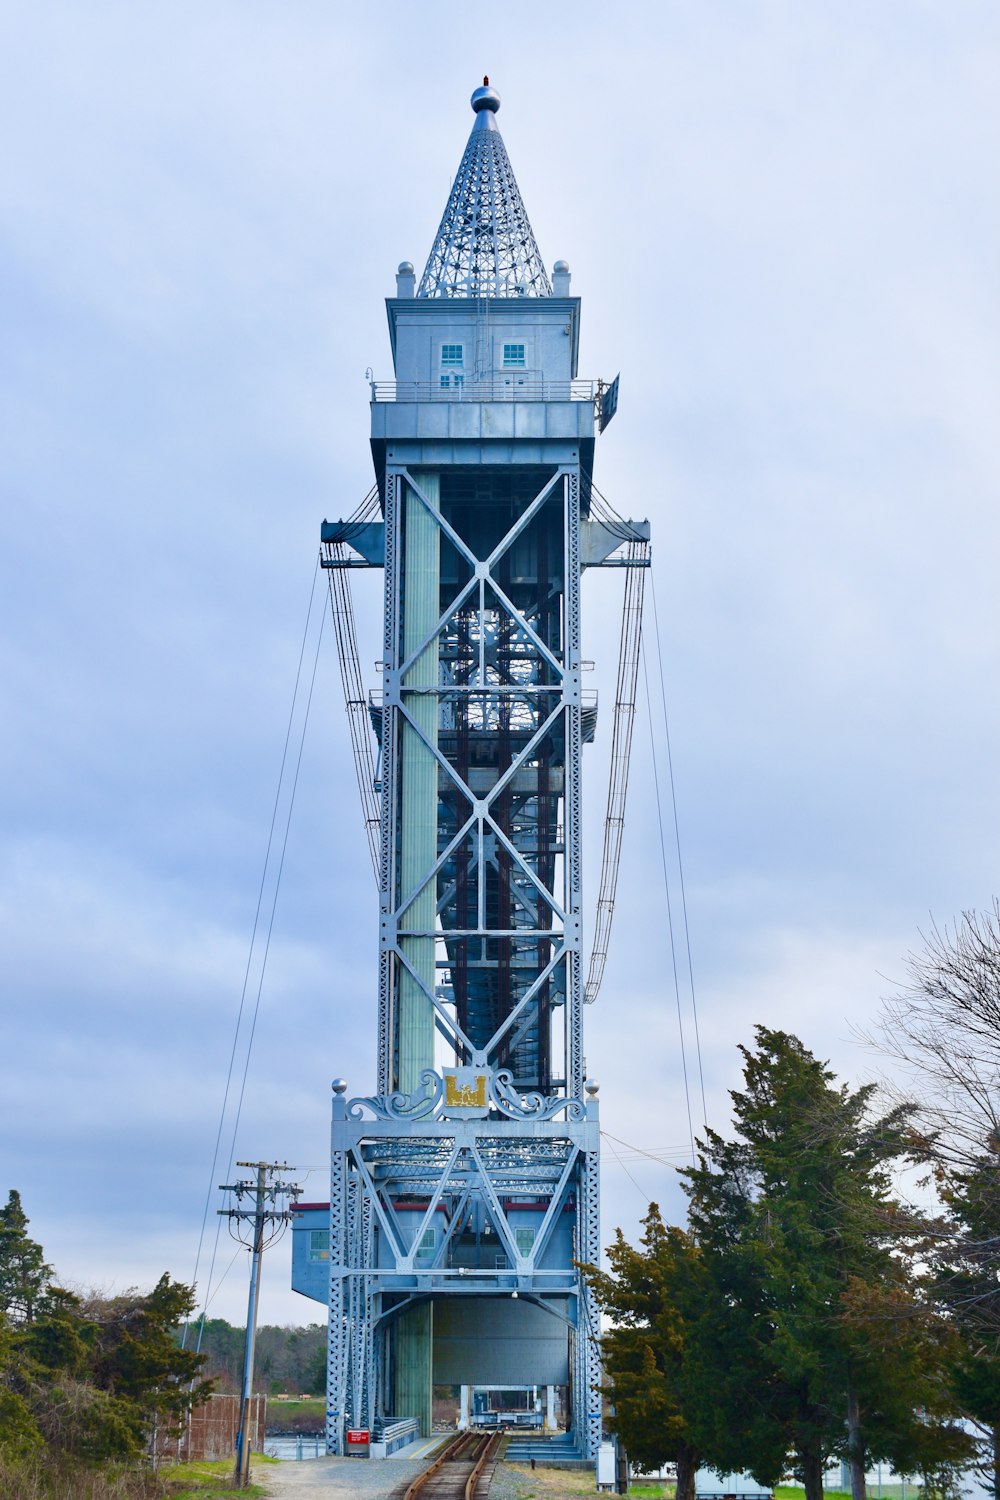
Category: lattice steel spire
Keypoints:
(484, 245)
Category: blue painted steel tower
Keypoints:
(466, 1186)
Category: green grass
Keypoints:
(203, 1480)
(888, 1492)
(296, 1415)
(796, 1492)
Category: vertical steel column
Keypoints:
(587, 1408)
(337, 1369)
(390, 725)
(418, 802)
(574, 744)
(418, 815)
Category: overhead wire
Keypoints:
(633, 643)
(628, 1174)
(677, 844)
(253, 940)
(641, 1151)
(267, 947)
(670, 915)
(218, 1285)
(270, 925)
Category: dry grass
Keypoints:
(38, 1479)
(551, 1484)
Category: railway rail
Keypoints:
(463, 1470)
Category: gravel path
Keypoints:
(338, 1478)
(356, 1479)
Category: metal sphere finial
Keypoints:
(485, 98)
(339, 1086)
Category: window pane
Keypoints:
(319, 1244)
(525, 1240)
(451, 354)
(513, 354)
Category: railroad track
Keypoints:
(463, 1470)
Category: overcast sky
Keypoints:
(783, 221)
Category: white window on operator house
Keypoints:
(319, 1244)
(525, 1240)
(452, 357)
(513, 356)
(426, 1245)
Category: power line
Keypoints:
(267, 944)
(640, 1151)
(666, 891)
(246, 975)
(677, 841)
(628, 1174)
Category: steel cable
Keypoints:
(253, 939)
(670, 916)
(680, 862)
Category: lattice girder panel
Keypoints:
(433, 1186)
(481, 712)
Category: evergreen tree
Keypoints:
(817, 1340)
(135, 1357)
(648, 1296)
(86, 1378)
(966, 1284)
(24, 1276)
(19, 1434)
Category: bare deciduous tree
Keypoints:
(942, 1027)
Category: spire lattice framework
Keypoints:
(484, 246)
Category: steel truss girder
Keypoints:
(464, 1159)
(480, 828)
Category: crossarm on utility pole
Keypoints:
(265, 1212)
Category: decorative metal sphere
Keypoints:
(561, 265)
(485, 98)
(339, 1086)
(405, 268)
(592, 1087)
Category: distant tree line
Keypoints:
(807, 1313)
(288, 1361)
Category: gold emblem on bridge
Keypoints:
(471, 1095)
(466, 1093)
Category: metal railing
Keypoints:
(496, 388)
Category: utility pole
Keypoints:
(265, 1215)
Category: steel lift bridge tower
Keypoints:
(466, 1186)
